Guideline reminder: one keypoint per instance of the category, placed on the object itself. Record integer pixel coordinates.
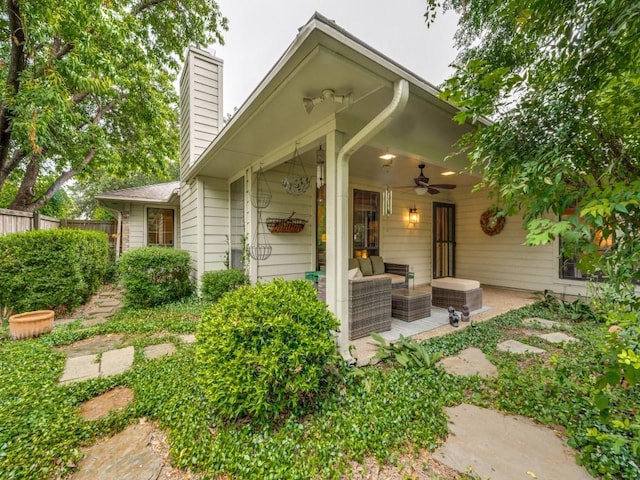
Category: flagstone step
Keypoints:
(471, 361)
(558, 337)
(513, 346)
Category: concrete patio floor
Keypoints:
(496, 301)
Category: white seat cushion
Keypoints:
(457, 284)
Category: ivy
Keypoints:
(373, 412)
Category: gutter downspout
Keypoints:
(118, 229)
(340, 293)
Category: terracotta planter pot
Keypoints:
(30, 324)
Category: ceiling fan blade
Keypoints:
(446, 186)
(433, 191)
(421, 183)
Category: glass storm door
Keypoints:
(444, 240)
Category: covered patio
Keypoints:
(352, 130)
(497, 300)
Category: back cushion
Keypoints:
(378, 265)
(353, 263)
(365, 267)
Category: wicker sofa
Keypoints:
(369, 304)
(375, 267)
(370, 295)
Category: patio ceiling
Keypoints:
(323, 57)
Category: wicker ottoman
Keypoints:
(456, 292)
(409, 305)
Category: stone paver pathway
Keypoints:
(125, 456)
(540, 322)
(187, 338)
(505, 447)
(156, 351)
(513, 346)
(468, 362)
(112, 362)
(102, 405)
(558, 337)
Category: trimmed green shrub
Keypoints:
(216, 284)
(266, 350)
(154, 275)
(51, 269)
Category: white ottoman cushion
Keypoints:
(457, 284)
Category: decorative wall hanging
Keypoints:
(260, 193)
(492, 221)
(260, 249)
(296, 182)
(387, 201)
(286, 225)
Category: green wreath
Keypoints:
(492, 221)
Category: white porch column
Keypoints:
(338, 243)
(339, 177)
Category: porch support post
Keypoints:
(337, 199)
(337, 263)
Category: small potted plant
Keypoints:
(30, 324)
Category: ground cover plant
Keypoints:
(375, 412)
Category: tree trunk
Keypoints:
(17, 64)
(24, 198)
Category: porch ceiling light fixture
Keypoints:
(387, 156)
(414, 216)
(327, 94)
(448, 173)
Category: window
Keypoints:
(366, 224)
(569, 263)
(160, 227)
(236, 224)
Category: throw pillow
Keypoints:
(378, 265)
(353, 263)
(365, 266)
(354, 273)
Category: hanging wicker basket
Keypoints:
(260, 193)
(260, 249)
(296, 182)
(260, 252)
(286, 225)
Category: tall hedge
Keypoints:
(51, 269)
(154, 275)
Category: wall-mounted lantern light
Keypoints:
(414, 217)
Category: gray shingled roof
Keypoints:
(160, 192)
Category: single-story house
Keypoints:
(338, 153)
(146, 216)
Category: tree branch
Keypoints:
(11, 165)
(145, 5)
(26, 192)
(61, 180)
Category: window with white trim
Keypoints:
(160, 227)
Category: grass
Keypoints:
(379, 412)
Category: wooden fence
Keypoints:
(13, 221)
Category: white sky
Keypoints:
(260, 31)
